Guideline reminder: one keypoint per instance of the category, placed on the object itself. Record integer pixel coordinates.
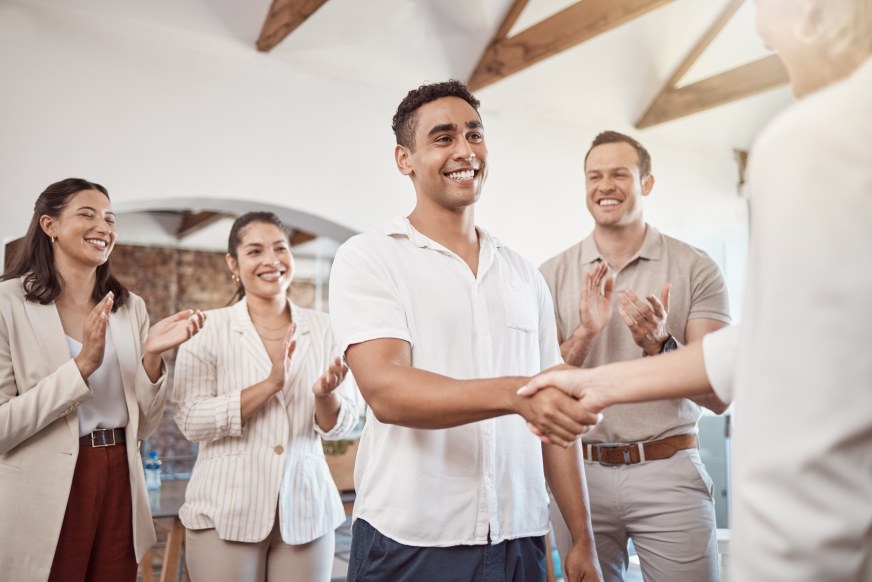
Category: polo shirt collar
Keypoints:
(652, 247)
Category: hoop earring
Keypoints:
(235, 278)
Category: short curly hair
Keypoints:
(405, 121)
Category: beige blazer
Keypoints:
(244, 471)
(40, 389)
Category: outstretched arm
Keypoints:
(401, 394)
(678, 374)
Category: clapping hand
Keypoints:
(331, 379)
(647, 319)
(94, 337)
(173, 331)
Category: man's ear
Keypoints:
(647, 184)
(402, 155)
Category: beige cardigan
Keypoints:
(40, 389)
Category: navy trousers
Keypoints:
(377, 558)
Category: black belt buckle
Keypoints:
(627, 459)
(103, 440)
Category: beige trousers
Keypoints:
(665, 506)
(211, 559)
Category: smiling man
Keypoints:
(441, 323)
(643, 468)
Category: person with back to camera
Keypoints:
(797, 365)
(256, 390)
(82, 381)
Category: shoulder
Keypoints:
(566, 257)
(12, 288)
(685, 253)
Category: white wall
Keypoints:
(157, 112)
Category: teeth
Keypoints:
(608, 202)
(271, 276)
(97, 242)
(462, 175)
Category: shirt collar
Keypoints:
(652, 247)
(400, 226)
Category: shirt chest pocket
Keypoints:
(521, 305)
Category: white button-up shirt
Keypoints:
(458, 485)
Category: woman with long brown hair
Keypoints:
(82, 381)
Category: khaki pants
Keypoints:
(665, 506)
(211, 559)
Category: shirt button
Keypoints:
(279, 449)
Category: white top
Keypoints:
(244, 470)
(802, 504)
(450, 486)
(719, 353)
(108, 407)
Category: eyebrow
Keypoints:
(92, 209)
(280, 241)
(452, 127)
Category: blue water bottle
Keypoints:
(152, 471)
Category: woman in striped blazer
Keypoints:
(256, 389)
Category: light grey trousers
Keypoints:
(665, 506)
(211, 559)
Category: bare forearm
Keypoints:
(327, 411)
(420, 399)
(151, 362)
(574, 350)
(254, 398)
(564, 471)
(678, 374)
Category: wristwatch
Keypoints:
(670, 345)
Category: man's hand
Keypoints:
(595, 305)
(575, 382)
(581, 564)
(647, 319)
(556, 417)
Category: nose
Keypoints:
(464, 151)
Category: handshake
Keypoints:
(562, 403)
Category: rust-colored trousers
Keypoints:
(96, 541)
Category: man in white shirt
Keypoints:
(440, 324)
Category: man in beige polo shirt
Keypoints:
(625, 292)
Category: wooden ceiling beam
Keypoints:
(745, 81)
(283, 17)
(571, 26)
(194, 221)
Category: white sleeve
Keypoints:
(364, 302)
(719, 355)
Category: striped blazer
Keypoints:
(244, 470)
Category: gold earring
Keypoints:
(235, 278)
(52, 240)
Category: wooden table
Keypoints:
(165, 504)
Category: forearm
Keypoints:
(255, 397)
(419, 399)
(574, 350)
(152, 363)
(564, 471)
(678, 374)
(327, 411)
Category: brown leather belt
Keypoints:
(632, 453)
(103, 437)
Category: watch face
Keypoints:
(669, 345)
